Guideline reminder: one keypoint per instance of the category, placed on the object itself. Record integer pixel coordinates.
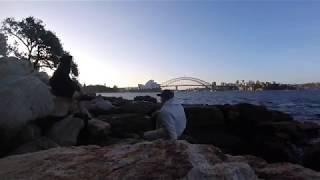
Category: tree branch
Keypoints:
(15, 35)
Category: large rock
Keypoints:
(98, 106)
(140, 107)
(96, 132)
(146, 160)
(128, 123)
(312, 157)
(98, 128)
(22, 100)
(39, 144)
(250, 129)
(29, 133)
(24, 97)
(62, 106)
(66, 131)
(11, 66)
(276, 171)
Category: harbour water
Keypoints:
(302, 105)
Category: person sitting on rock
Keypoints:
(61, 83)
(171, 118)
(63, 87)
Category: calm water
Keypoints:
(302, 105)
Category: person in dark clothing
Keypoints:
(61, 83)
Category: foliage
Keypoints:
(98, 89)
(35, 43)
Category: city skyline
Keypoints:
(128, 43)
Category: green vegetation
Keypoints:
(99, 89)
(33, 42)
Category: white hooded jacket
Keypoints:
(173, 118)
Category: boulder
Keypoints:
(146, 160)
(287, 171)
(250, 129)
(98, 106)
(140, 107)
(145, 98)
(66, 131)
(29, 133)
(276, 171)
(128, 123)
(96, 132)
(207, 125)
(98, 128)
(200, 117)
(117, 101)
(43, 76)
(23, 100)
(62, 106)
(14, 67)
(312, 157)
(24, 97)
(39, 144)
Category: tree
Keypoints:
(4, 49)
(34, 42)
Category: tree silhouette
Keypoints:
(34, 42)
(3, 45)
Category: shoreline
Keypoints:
(105, 135)
(302, 105)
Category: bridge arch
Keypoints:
(198, 82)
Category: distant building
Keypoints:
(151, 84)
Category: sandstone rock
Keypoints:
(98, 128)
(43, 76)
(14, 67)
(146, 160)
(29, 133)
(100, 104)
(140, 107)
(204, 117)
(117, 101)
(276, 171)
(312, 157)
(39, 144)
(66, 131)
(287, 171)
(250, 129)
(123, 124)
(24, 97)
(62, 106)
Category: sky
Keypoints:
(124, 43)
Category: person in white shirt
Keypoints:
(171, 119)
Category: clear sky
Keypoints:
(130, 42)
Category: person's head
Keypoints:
(166, 95)
(65, 64)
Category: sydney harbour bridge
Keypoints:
(190, 82)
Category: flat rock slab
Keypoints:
(145, 160)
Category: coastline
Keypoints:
(56, 135)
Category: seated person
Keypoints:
(63, 87)
(171, 119)
(61, 83)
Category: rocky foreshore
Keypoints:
(44, 137)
